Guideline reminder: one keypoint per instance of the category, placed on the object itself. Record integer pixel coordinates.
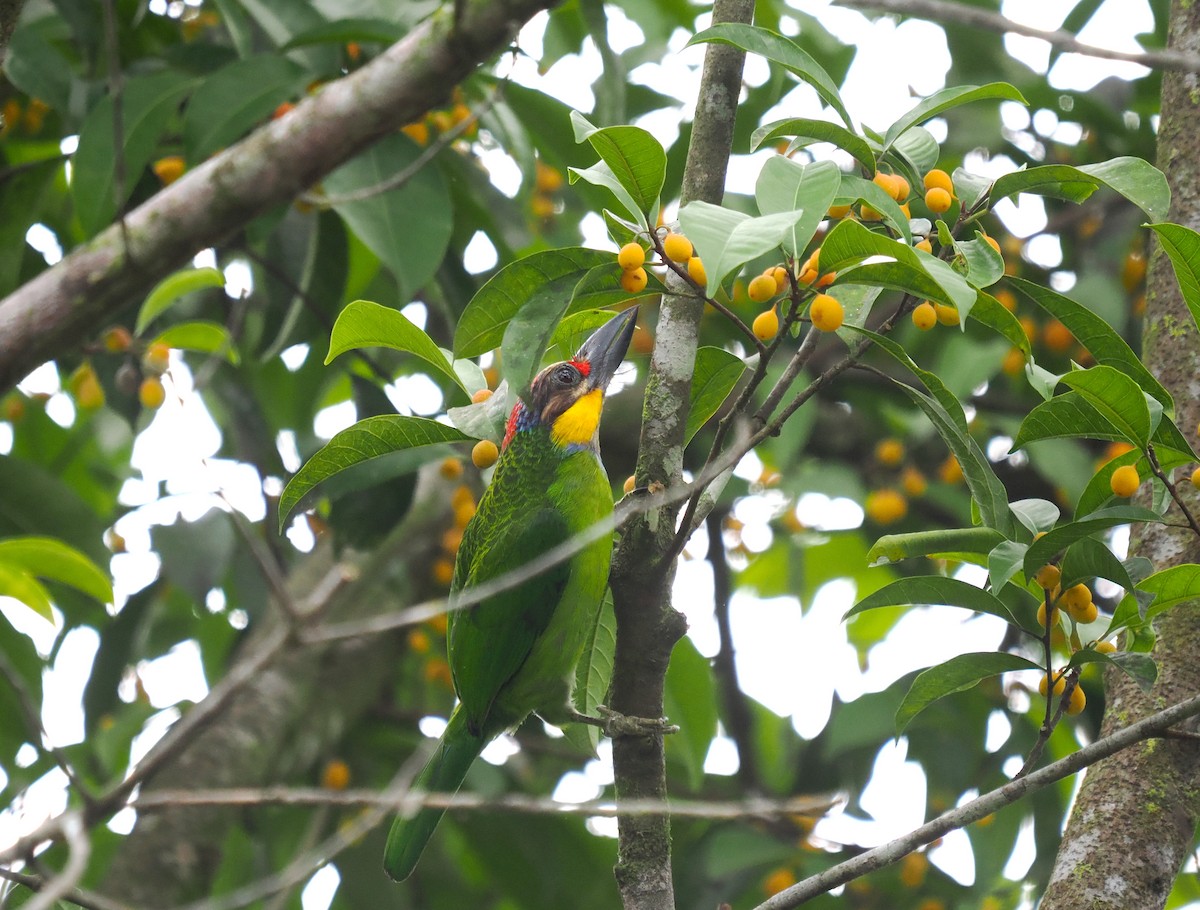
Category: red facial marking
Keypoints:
(582, 366)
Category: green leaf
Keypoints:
(22, 586)
(1042, 550)
(363, 324)
(715, 375)
(593, 674)
(955, 675)
(46, 557)
(854, 189)
(1089, 558)
(344, 31)
(911, 270)
(481, 326)
(1065, 415)
(529, 331)
(690, 699)
(947, 98)
(1117, 397)
(1171, 587)
(919, 150)
(781, 50)
(1004, 562)
(575, 329)
(1100, 339)
(147, 105)
(202, 336)
(1099, 489)
(1183, 247)
(818, 131)
(411, 247)
(174, 288)
(600, 174)
(1037, 515)
(234, 99)
(785, 186)
(934, 590)
(726, 240)
(985, 266)
(367, 439)
(949, 543)
(1137, 180)
(991, 312)
(932, 381)
(635, 157)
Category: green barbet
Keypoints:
(514, 653)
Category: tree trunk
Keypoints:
(1134, 822)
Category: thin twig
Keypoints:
(942, 11)
(88, 900)
(1156, 468)
(79, 848)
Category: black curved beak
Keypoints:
(605, 350)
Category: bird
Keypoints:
(514, 653)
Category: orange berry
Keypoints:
(938, 200)
(481, 396)
(1106, 647)
(1041, 615)
(439, 623)
(418, 641)
(926, 245)
(438, 671)
(89, 394)
(924, 317)
(1057, 337)
(157, 357)
(677, 247)
(913, 482)
(442, 571)
(1029, 327)
(117, 339)
(451, 468)
(1125, 480)
(761, 288)
(889, 452)
(827, 279)
(417, 132)
(1196, 478)
(888, 183)
(992, 242)
(696, 271)
(283, 110)
(462, 496)
(779, 880)
(1048, 577)
(902, 188)
(631, 256)
(452, 540)
(913, 869)
(168, 169)
(838, 211)
(885, 506)
(463, 513)
(542, 206)
(547, 179)
(1115, 450)
(1084, 614)
(950, 470)
(946, 315)
(151, 393)
(779, 273)
(485, 454)
(826, 313)
(1006, 299)
(939, 179)
(335, 775)
(1077, 701)
(1060, 683)
(634, 281)
(766, 325)
(867, 213)
(1133, 270)
(630, 485)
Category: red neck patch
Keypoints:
(510, 428)
(582, 366)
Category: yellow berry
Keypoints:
(1196, 478)
(779, 880)
(867, 213)
(168, 169)
(418, 641)
(762, 288)
(696, 271)
(1076, 596)
(631, 256)
(542, 206)
(117, 339)
(1125, 480)
(924, 317)
(950, 470)
(462, 496)
(946, 315)
(779, 273)
(157, 357)
(442, 571)
(938, 200)
(1059, 684)
(417, 132)
(826, 280)
(1041, 615)
(630, 485)
(1077, 701)
(913, 869)
(992, 242)
(335, 775)
(1085, 613)
(939, 179)
(766, 325)
(452, 540)
(913, 482)
(677, 247)
(826, 313)
(1057, 337)
(89, 394)
(151, 393)
(902, 188)
(451, 468)
(925, 245)
(1048, 577)
(885, 506)
(1106, 647)
(889, 452)
(888, 183)
(546, 178)
(838, 211)
(634, 280)
(485, 454)
(481, 396)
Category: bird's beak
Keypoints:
(605, 350)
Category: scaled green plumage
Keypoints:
(515, 652)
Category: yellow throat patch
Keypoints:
(577, 424)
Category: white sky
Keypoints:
(797, 668)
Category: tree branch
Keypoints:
(943, 12)
(273, 165)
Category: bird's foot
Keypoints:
(613, 724)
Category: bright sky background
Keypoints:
(796, 669)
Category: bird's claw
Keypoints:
(614, 724)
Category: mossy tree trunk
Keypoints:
(1134, 822)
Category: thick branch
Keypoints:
(945, 12)
(270, 167)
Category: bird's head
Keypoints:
(566, 397)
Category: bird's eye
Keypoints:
(566, 375)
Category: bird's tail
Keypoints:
(443, 773)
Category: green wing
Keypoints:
(490, 641)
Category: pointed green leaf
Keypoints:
(593, 674)
(690, 698)
(786, 186)
(1117, 397)
(1100, 339)
(931, 381)
(1171, 587)
(1037, 515)
(715, 375)
(818, 131)
(202, 336)
(49, 558)
(990, 312)
(933, 590)
(481, 326)
(1137, 180)
(949, 543)
(781, 50)
(1140, 667)
(235, 98)
(855, 189)
(1183, 248)
(363, 324)
(1004, 562)
(1099, 489)
(529, 331)
(726, 240)
(1065, 416)
(574, 330)
(367, 439)
(600, 174)
(635, 157)
(408, 226)
(22, 586)
(1090, 558)
(985, 265)
(1046, 547)
(947, 98)
(955, 675)
(919, 150)
(174, 288)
